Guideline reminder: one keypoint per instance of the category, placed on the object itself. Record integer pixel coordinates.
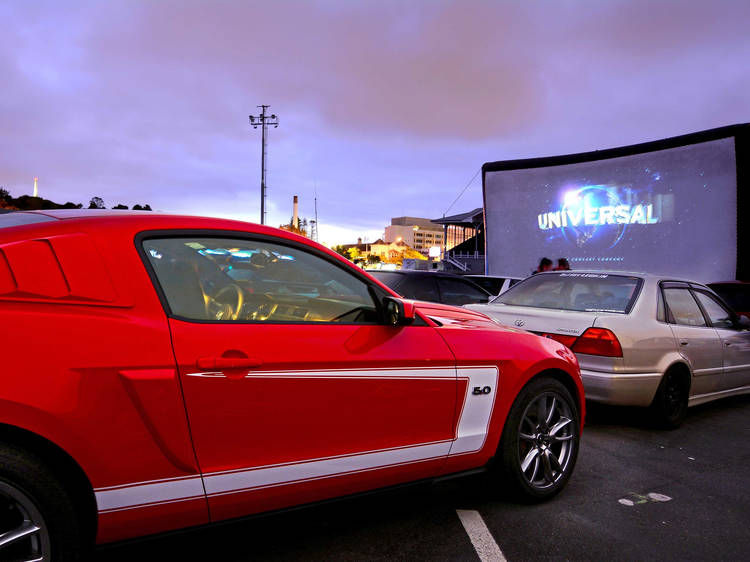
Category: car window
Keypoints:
(388, 278)
(238, 280)
(492, 285)
(595, 292)
(661, 315)
(458, 291)
(719, 316)
(683, 308)
(419, 287)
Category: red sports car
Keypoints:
(161, 371)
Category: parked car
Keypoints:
(493, 284)
(641, 340)
(146, 386)
(736, 294)
(432, 286)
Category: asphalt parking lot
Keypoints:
(637, 494)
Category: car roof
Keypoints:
(645, 276)
(140, 221)
(417, 272)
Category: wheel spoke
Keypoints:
(535, 471)
(562, 439)
(558, 426)
(549, 476)
(551, 466)
(25, 530)
(530, 456)
(551, 413)
(525, 437)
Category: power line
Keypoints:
(462, 191)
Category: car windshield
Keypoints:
(590, 292)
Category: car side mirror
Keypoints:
(398, 312)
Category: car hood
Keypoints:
(445, 314)
(547, 320)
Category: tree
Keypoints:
(341, 250)
(5, 195)
(301, 226)
(120, 207)
(96, 203)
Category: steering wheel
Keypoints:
(223, 311)
(265, 309)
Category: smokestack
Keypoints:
(36, 191)
(295, 218)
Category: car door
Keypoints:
(698, 342)
(735, 339)
(295, 389)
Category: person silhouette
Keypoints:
(545, 264)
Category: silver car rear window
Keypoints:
(590, 292)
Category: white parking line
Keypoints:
(480, 536)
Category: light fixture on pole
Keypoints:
(263, 121)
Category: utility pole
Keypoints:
(314, 229)
(263, 121)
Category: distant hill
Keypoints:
(29, 203)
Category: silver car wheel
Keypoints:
(546, 440)
(23, 533)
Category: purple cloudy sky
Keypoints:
(387, 108)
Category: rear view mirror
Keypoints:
(398, 312)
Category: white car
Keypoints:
(641, 340)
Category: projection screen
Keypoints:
(668, 207)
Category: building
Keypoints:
(418, 233)
(364, 254)
(464, 237)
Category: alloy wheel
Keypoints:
(23, 533)
(546, 440)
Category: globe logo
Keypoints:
(581, 203)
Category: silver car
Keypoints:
(641, 340)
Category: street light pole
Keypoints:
(263, 121)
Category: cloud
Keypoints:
(387, 108)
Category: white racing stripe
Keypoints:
(481, 538)
(473, 425)
(476, 410)
(143, 494)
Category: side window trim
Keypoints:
(375, 292)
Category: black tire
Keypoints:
(670, 404)
(30, 494)
(540, 441)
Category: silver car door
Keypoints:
(697, 342)
(736, 342)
